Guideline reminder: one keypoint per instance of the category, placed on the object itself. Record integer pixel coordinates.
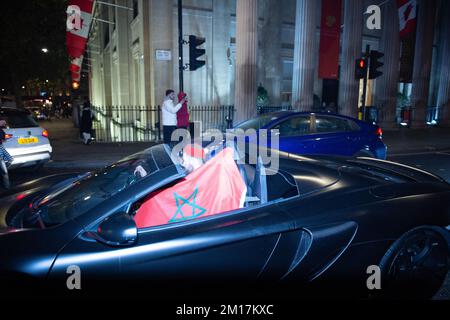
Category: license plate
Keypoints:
(28, 140)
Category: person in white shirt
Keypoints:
(169, 115)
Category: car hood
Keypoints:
(21, 195)
(37, 184)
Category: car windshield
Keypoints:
(18, 119)
(85, 193)
(257, 123)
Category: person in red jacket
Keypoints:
(183, 113)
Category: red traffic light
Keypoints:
(360, 68)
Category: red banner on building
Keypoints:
(79, 18)
(330, 30)
(76, 76)
(75, 64)
(407, 16)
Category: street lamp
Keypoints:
(44, 50)
(75, 85)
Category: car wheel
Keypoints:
(415, 265)
(364, 153)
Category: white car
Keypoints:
(26, 141)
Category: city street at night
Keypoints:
(428, 155)
(206, 153)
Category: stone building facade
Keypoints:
(133, 55)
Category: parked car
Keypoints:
(26, 141)
(316, 218)
(321, 133)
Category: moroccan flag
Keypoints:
(77, 34)
(215, 187)
(407, 16)
(330, 30)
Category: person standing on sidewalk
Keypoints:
(86, 123)
(5, 158)
(183, 113)
(169, 115)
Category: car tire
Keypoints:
(416, 264)
(364, 153)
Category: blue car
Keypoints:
(321, 133)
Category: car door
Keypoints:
(234, 245)
(295, 134)
(332, 135)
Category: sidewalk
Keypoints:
(407, 140)
(70, 152)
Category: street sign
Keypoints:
(163, 55)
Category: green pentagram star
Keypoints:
(190, 201)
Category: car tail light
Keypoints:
(8, 136)
(379, 132)
(45, 133)
(20, 196)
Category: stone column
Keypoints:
(162, 38)
(271, 39)
(221, 43)
(422, 61)
(123, 50)
(351, 50)
(443, 97)
(387, 84)
(144, 40)
(303, 70)
(246, 59)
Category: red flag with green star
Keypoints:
(215, 187)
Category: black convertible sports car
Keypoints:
(316, 220)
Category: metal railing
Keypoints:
(143, 123)
(267, 109)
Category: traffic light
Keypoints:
(195, 52)
(375, 64)
(360, 68)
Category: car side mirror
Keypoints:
(117, 230)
